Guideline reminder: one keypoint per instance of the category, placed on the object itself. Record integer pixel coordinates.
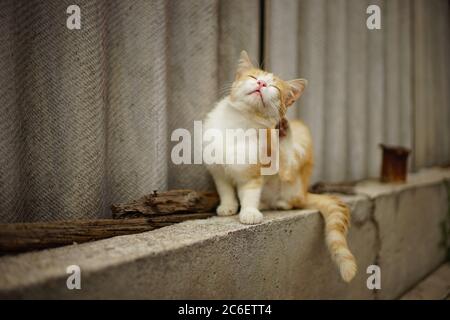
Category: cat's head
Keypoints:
(262, 92)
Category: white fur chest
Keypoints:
(221, 127)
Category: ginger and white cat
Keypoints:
(259, 100)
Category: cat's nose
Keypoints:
(261, 83)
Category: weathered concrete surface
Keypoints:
(284, 257)
(436, 286)
(410, 228)
(409, 219)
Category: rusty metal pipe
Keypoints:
(394, 166)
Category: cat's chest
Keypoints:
(233, 135)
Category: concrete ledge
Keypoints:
(396, 227)
(434, 287)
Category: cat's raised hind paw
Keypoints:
(283, 205)
(250, 216)
(227, 209)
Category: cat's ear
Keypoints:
(295, 90)
(244, 63)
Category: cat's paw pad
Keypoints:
(227, 209)
(250, 216)
(283, 205)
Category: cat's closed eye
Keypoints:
(279, 90)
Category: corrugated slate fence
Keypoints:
(86, 115)
(366, 86)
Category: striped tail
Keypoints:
(337, 220)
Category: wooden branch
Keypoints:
(21, 237)
(168, 202)
(150, 212)
(344, 188)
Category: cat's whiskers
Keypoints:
(272, 104)
(225, 89)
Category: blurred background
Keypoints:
(86, 115)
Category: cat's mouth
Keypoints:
(257, 92)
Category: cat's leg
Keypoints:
(249, 196)
(228, 202)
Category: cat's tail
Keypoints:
(337, 221)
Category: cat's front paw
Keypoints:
(250, 216)
(227, 209)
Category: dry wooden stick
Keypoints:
(150, 212)
(343, 188)
(21, 237)
(168, 202)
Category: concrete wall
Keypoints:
(397, 227)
